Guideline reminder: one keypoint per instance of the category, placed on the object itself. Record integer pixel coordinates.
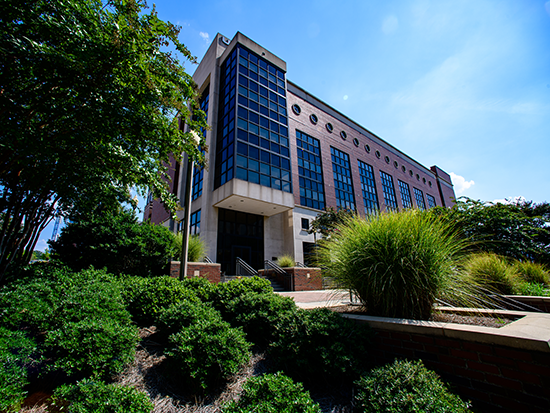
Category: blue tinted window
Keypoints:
(343, 184)
(389, 191)
(368, 188)
(312, 193)
(405, 195)
(419, 197)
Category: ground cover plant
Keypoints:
(396, 263)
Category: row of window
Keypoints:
(312, 188)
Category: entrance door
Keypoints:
(239, 235)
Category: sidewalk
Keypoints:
(318, 298)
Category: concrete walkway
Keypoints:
(318, 298)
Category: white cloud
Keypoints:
(460, 184)
(390, 24)
(512, 200)
(205, 36)
(345, 97)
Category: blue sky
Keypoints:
(464, 85)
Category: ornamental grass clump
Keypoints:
(491, 272)
(396, 263)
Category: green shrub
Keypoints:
(116, 241)
(185, 313)
(94, 396)
(405, 386)
(225, 292)
(286, 261)
(271, 393)
(207, 352)
(146, 297)
(491, 272)
(93, 346)
(201, 287)
(79, 319)
(320, 344)
(532, 272)
(259, 314)
(396, 263)
(16, 351)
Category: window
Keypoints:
(431, 201)
(343, 135)
(198, 172)
(343, 185)
(377, 153)
(419, 197)
(329, 127)
(313, 119)
(356, 142)
(389, 191)
(405, 195)
(368, 188)
(225, 146)
(305, 224)
(195, 223)
(296, 109)
(261, 133)
(367, 148)
(310, 171)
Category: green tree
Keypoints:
(116, 241)
(519, 230)
(90, 105)
(327, 221)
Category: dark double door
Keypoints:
(239, 235)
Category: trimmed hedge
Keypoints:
(79, 320)
(405, 386)
(272, 393)
(147, 297)
(319, 344)
(207, 352)
(95, 396)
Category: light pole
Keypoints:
(187, 212)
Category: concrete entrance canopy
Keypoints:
(252, 198)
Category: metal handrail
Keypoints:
(274, 266)
(299, 264)
(208, 260)
(243, 269)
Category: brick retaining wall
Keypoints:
(206, 270)
(505, 369)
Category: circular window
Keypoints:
(313, 119)
(430, 183)
(378, 154)
(417, 177)
(404, 169)
(410, 172)
(387, 159)
(395, 164)
(296, 109)
(329, 127)
(367, 148)
(356, 141)
(424, 180)
(344, 135)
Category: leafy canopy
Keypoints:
(90, 100)
(519, 230)
(327, 221)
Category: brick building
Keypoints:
(277, 156)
